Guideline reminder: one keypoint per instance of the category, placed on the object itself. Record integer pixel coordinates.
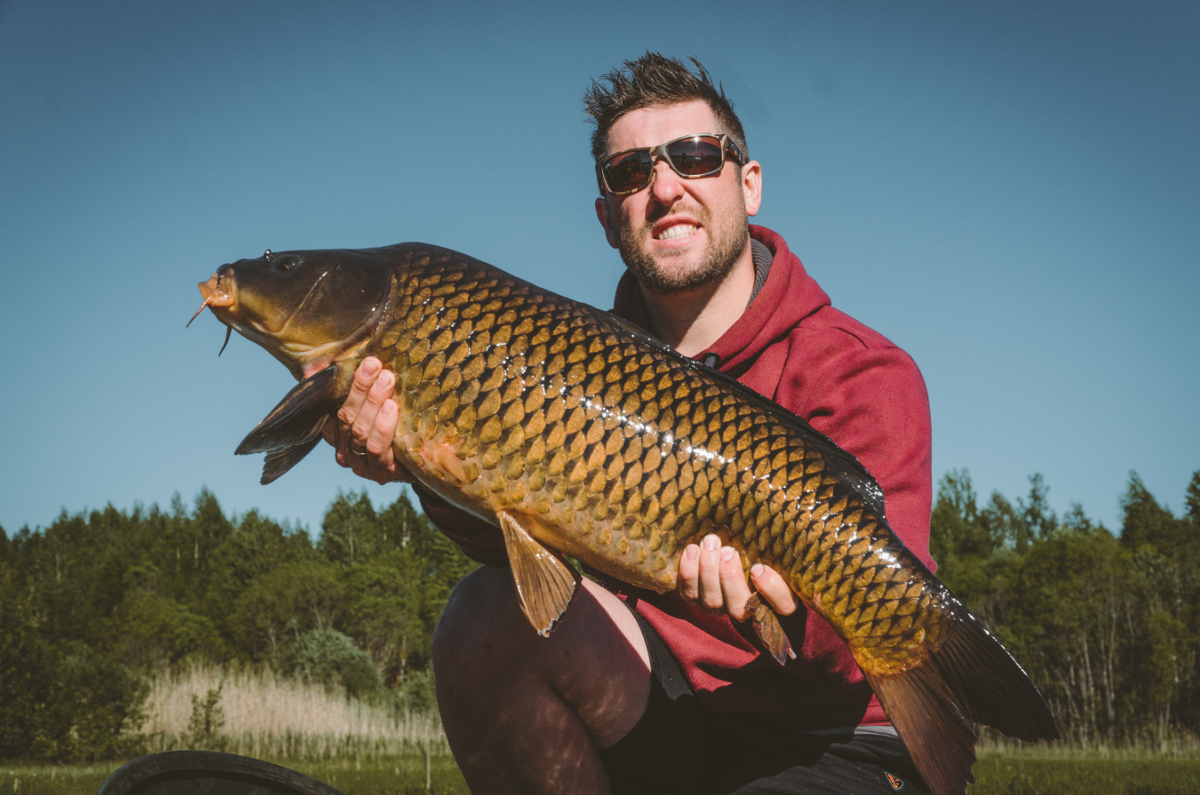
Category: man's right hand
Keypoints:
(712, 576)
(365, 424)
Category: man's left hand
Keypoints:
(365, 424)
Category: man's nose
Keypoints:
(665, 184)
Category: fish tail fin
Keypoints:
(970, 679)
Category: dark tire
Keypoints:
(208, 773)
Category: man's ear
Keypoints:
(752, 186)
(602, 214)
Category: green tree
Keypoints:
(1191, 500)
(1067, 622)
(1145, 521)
(28, 674)
(6, 550)
(383, 613)
(148, 630)
(971, 546)
(61, 701)
(350, 531)
(1036, 512)
(102, 705)
(287, 601)
(256, 547)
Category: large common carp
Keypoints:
(578, 434)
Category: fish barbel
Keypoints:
(578, 434)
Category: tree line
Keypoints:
(93, 604)
(1107, 626)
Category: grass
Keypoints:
(406, 775)
(361, 748)
(55, 780)
(1016, 774)
(267, 716)
(1085, 774)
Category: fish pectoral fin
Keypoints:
(545, 583)
(300, 416)
(769, 630)
(280, 461)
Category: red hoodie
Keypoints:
(854, 386)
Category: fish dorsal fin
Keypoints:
(300, 416)
(545, 583)
(280, 461)
(769, 630)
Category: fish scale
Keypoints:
(550, 410)
(578, 434)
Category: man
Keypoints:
(640, 692)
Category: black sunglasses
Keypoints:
(692, 156)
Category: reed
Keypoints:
(269, 716)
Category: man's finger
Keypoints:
(364, 379)
(689, 573)
(733, 584)
(710, 573)
(773, 589)
(333, 434)
(379, 442)
(364, 423)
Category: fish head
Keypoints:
(307, 308)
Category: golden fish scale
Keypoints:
(514, 399)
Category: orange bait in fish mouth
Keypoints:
(214, 295)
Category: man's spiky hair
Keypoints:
(654, 80)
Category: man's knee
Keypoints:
(482, 611)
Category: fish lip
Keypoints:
(663, 224)
(218, 291)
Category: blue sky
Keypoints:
(1010, 191)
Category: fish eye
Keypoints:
(267, 254)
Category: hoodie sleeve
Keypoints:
(869, 397)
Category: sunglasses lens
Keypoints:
(628, 172)
(696, 157)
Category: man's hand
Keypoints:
(366, 422)
(712, 576)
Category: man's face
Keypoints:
(678, 235)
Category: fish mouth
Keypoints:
(217, 292)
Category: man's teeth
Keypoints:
(677, 231)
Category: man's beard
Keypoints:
(720, 255)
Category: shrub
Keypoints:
(329, 657)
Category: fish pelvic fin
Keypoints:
(769, 630)
(293, 428)
(546, 584)
(970, 679)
